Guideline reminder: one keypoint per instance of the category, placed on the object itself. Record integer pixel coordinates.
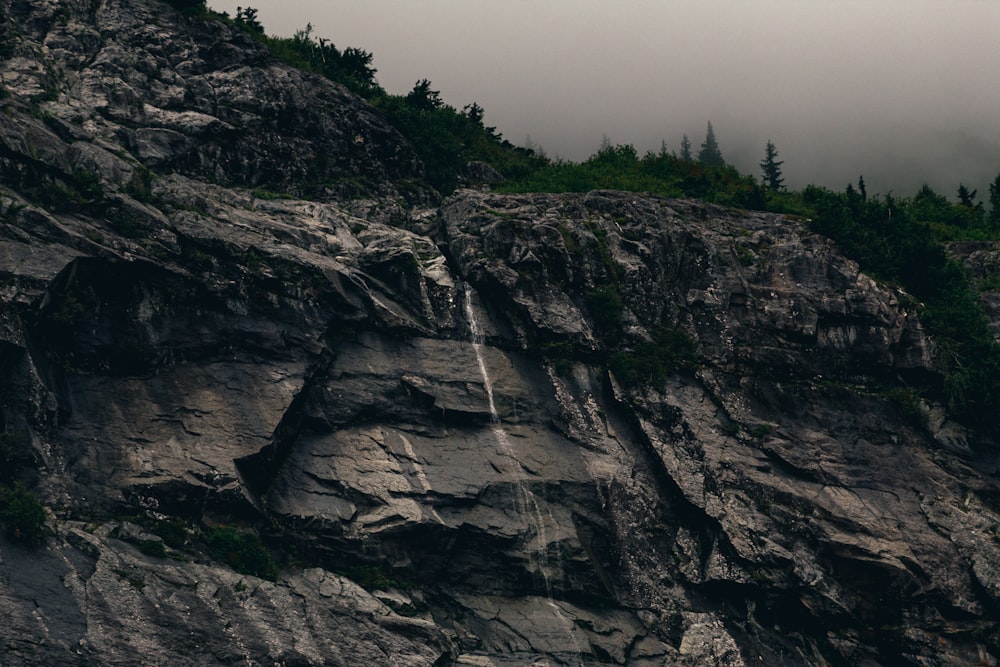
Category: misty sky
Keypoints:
(902, 91)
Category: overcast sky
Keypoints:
(902, 91)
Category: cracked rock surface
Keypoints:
(455, 454)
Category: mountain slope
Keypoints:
(583, 429)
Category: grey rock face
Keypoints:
(463, 432)
(195, 97)
(96, 598)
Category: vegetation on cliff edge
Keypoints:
(898, 240)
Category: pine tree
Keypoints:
(686, 149)
(995, 203)
(771, 169)
(248, 19)
(423, 98)
(862, 189)
(976, 209)
(710, 154)
(966, 197)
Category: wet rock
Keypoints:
(596, 428)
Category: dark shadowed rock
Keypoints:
(512, 430)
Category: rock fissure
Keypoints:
(202, 322)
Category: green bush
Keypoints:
(243, 551)
(908, 402)
(371, 578)
(152, 548)
(649, 363)
(22, 515)
(619, 167)
(559, 353)
(172, 531)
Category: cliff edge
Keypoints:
(279, 415)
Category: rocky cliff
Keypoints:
(505, 430)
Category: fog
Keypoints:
(901, 91)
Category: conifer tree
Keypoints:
(248, 19)
(771, 169)
(710, 154)
(861, 188)
(686, 149)
(423, 98)
(995, 203)
(966, 197)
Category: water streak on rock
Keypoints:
(525, 502)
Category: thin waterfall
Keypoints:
(525, 503)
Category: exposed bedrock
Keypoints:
(572, 429)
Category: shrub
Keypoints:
(559, 353)
(152, 548)
(649, 363)
(22, 515)
(908, 402)
(371, 578)
(243, 551)
(173, 532)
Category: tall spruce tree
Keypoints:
(686, 149)
(710, 154)
(771, 169)
(966, 197)
(423, 98)
(995, 204)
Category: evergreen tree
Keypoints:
(862, 189)
(710, 154)
(423, 98)
(686, 149)
(771, 169)
(972, 212)
(854, 200)
(248, 19)
(966, 197)
(475, 113)
(995, 203)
